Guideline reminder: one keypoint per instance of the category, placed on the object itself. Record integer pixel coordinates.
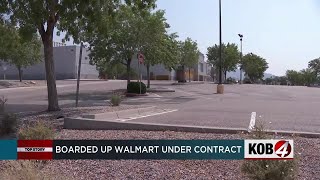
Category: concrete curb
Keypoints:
(295, 133)
(160, 90)
(86, 80)
(89, 124)
(187, 83)
(136, 95)
(119, 114)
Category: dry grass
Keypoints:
(39, 131)
(26, 170)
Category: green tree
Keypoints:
(18, 51)
(72, 16)
(157, 45)
(269, 81)
(283, 80)
(27, 54)
(189, 55)
(295, 77)
(7, 41)
(277, 80)
(118, 41)
(165, 53)
(309, 76)
(254, 67)
(315, 66)
(230, 57)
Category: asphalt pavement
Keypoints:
(278, 107)
(29, 99)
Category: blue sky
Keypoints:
(285, 32)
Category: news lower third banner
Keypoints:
(146, 149)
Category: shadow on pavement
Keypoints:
(155, 101)
(83, 96)
(15, 108)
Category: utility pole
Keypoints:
(241, 37)
(4, 71)
(220, 88)
(79, 71)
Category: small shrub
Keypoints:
(38, 131)
(268, 169)
(115, 100)
(134, 87)
(260, 131)
(8, 123)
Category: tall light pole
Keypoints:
(220, 87)
(241, 37)
(79, 75)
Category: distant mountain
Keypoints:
(236, 75)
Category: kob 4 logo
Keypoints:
(283, 149)
(268, 149)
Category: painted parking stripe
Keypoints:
(156, 95)
(252, 121)
(154, 114)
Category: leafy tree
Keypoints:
(283, 80)
(254, 67)
(277, 80)
(6, 42)
(295, 77)
(119, 40)
(16, 50)
(72, 16)
(269, 81)
(189, 55)
(230, 57)
(315, 66)
(27, 54)
(309, 76)
(117, 70)
(157, 45)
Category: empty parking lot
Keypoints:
(278, 107)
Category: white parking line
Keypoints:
(157, 95)
(252, 121)
(139, 117)
(137, 99)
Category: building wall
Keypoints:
(87, 71)
(201, 69)
(66, 60)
